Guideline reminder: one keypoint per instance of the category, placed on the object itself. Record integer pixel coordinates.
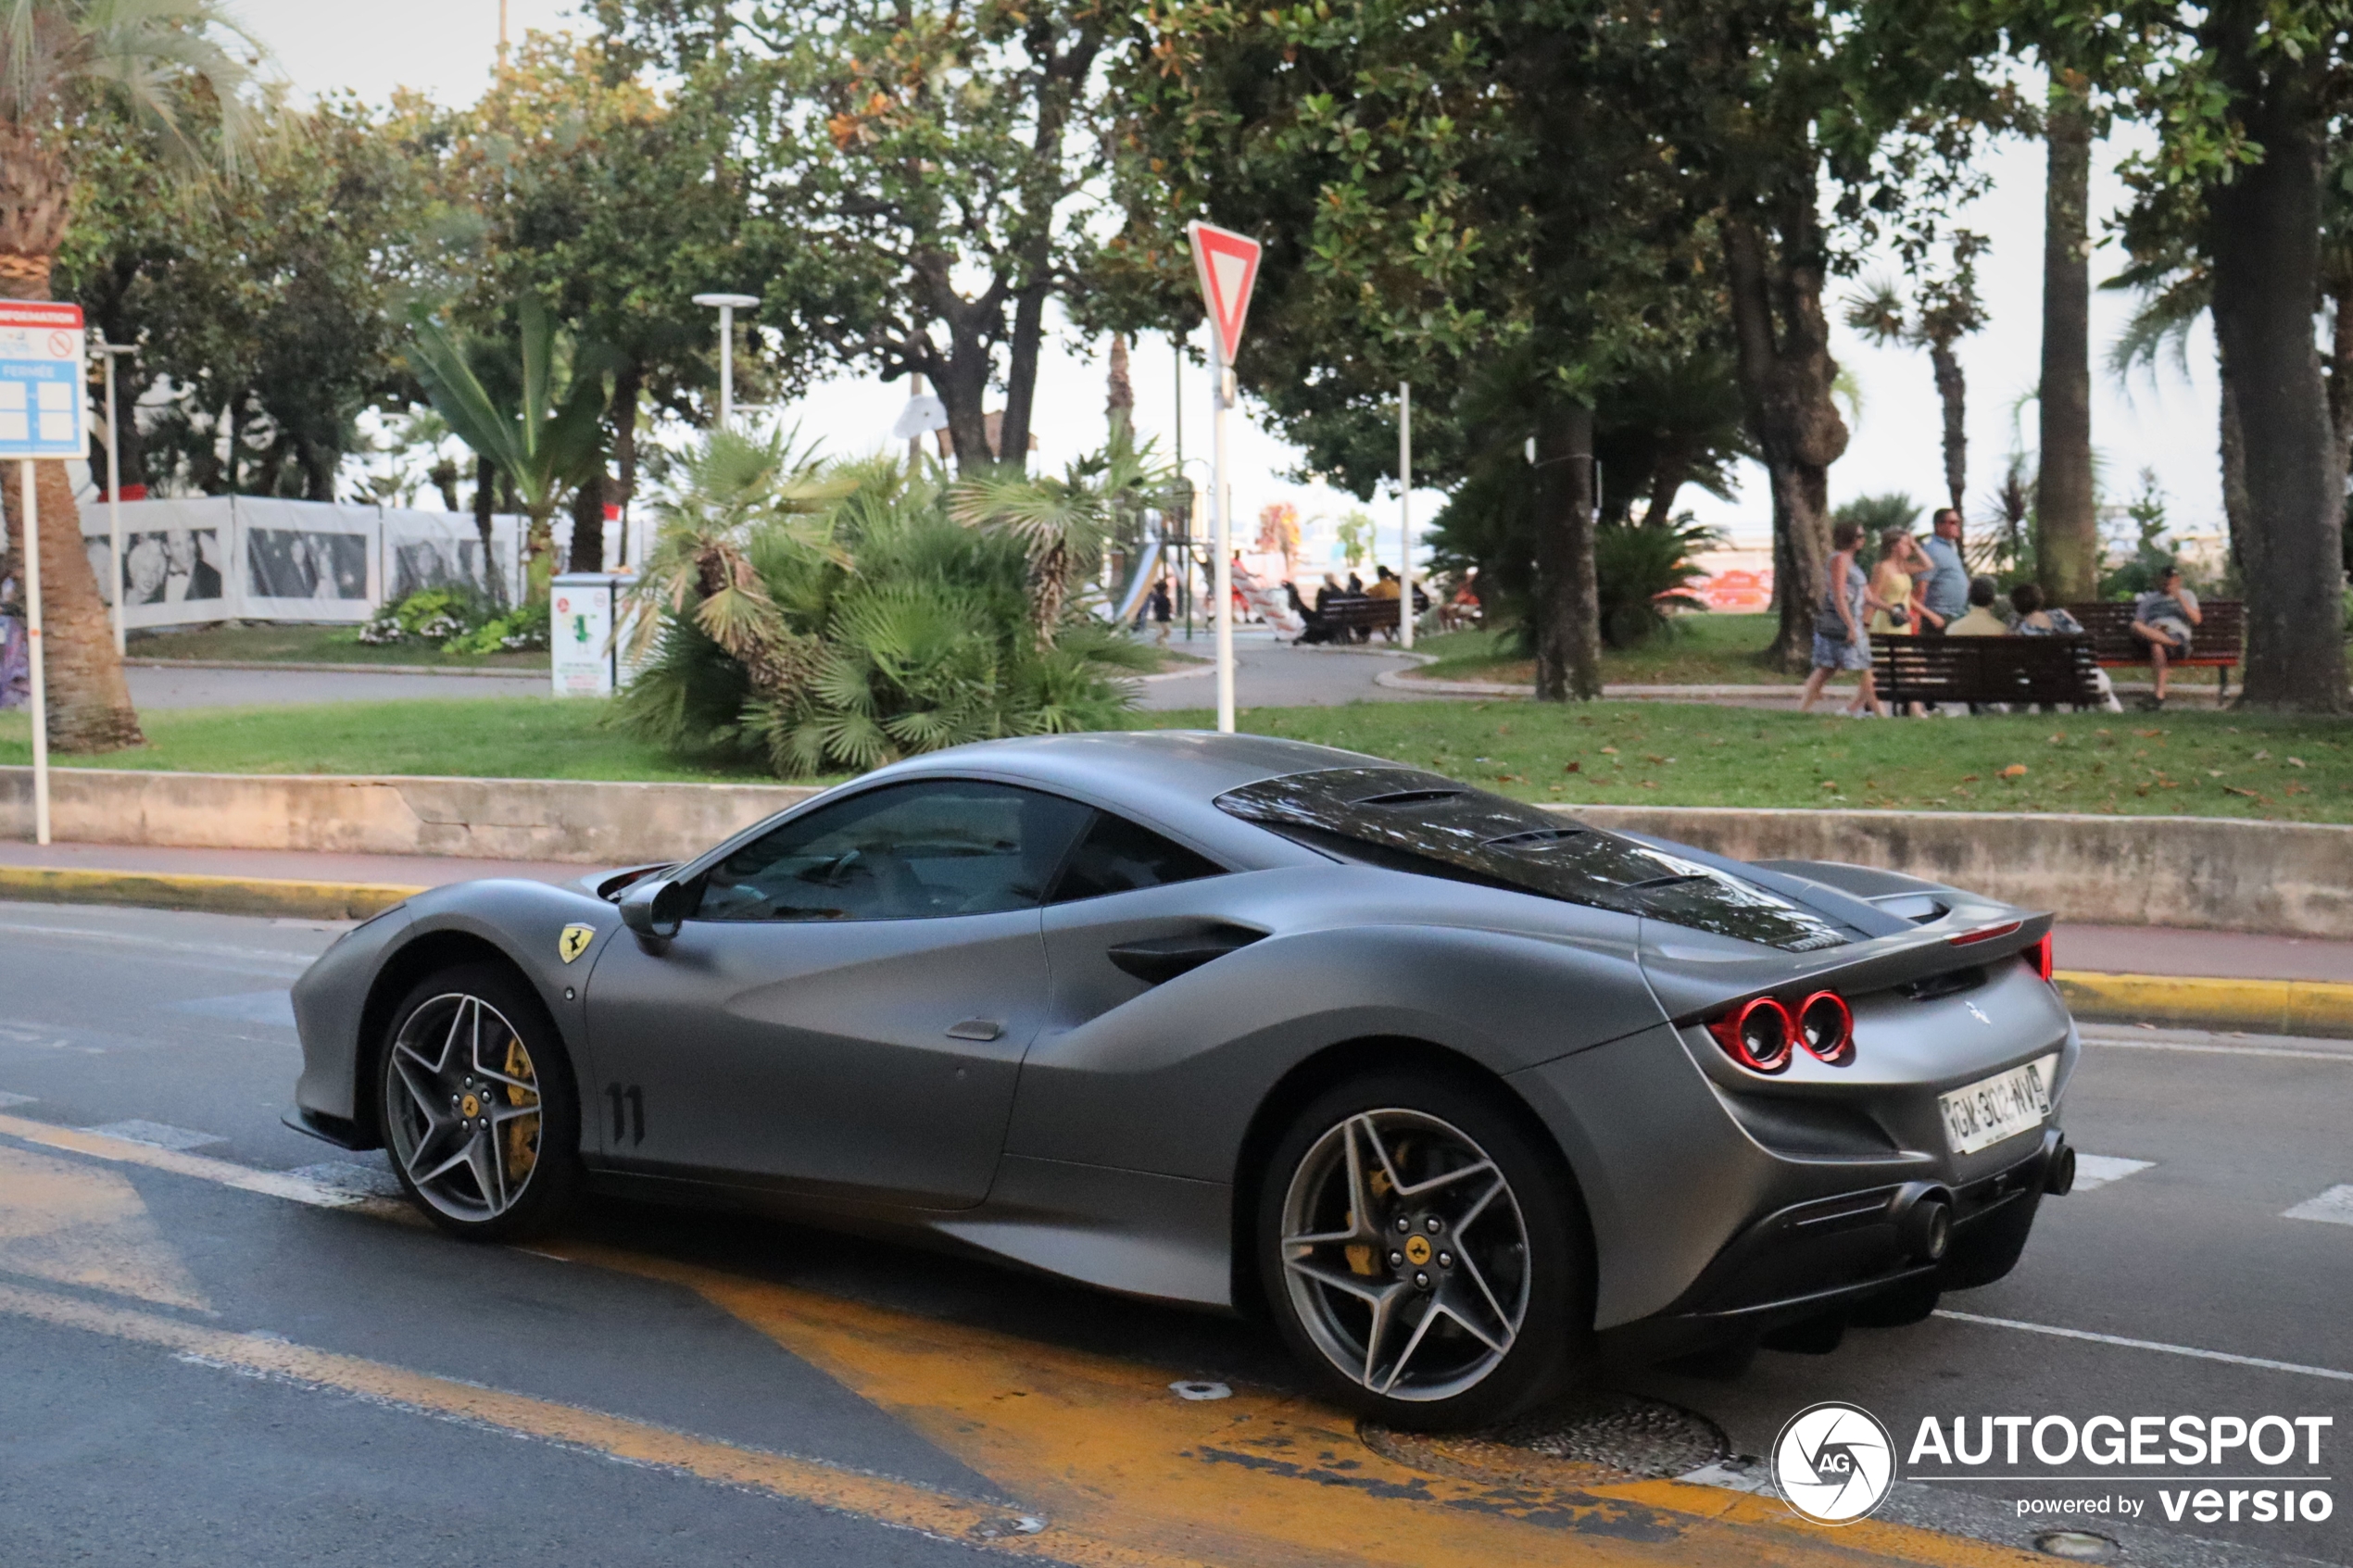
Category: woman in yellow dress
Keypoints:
(1899, 554)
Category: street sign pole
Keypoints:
(36, 648)
(114, 506)
(1405, 511)
(44, 403)
(1221, 531)
(1226, 266)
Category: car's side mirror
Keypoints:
(656, 907)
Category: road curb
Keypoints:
(322, 666)
(2261, 1006)
(210, 894)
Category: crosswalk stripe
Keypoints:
(2334, 1207)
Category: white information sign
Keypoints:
(584, 610)
(43, 399)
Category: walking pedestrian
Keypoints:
(1840, 641)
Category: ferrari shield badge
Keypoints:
(574, 941)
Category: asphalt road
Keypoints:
(201, 1371)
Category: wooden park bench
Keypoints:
(2215, 643)
(1351, 618)
(2052, 671)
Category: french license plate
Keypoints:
(1992, 1108)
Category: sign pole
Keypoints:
(1405, 511)
(40, 657)
(1222, 530)
(114, 509)
(1226, 265)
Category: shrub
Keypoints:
(429, 615)
(840, 618)
(1642, 570)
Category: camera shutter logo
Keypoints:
(1833, 1463)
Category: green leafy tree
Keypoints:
(936, 161)
(179, 67)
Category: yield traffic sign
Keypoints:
(1227, 265)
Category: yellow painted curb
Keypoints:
(2261, 1007)
(213, 894)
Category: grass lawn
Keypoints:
(491, 737)
(1700, 649)
(1689, 754)
(310, 645)
(1661, 754)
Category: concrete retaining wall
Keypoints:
(477, 818)
(2287, 878)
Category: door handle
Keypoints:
(976, 1029)
(1159, 960)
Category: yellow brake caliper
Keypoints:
(522, 1133)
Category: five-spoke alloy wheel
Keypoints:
(479, 1114)
(1420, 1256)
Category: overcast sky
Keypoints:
(446, 47)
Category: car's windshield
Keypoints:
(1409, 820)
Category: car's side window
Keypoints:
(1118, 856)
(912, 851)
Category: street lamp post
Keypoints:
(110, 351)
(727, 305)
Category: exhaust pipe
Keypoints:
(2058, 1170)
(1924, 1221)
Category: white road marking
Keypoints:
(7, 1099)
(2334, 1207)
(2220, 1048)
(203, 1168)
(2098, 1170)
(156, 1135)
(135, 939)
(2192, 1352)
(345, 1176)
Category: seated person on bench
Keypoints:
(1980, 620)
(2164, 619)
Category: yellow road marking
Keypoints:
(1126, 1475)
(77, 1224)
(1101, 1447)
(214, 895)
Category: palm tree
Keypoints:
(1063, 524)
(545, 443)
(738, 491)
(1949, 311)
(178, 67)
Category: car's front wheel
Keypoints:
(1421, 1255)
(479, 1113)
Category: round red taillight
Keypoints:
(1826, 1026)
(1756, 1034)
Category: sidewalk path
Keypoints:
(1269, 673)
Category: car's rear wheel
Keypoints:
(479, 1113)
(1422, 1257)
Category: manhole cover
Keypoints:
(1600, 1436)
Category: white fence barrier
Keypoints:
(244, 557)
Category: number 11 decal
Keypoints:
(628, 1107)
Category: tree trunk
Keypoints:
(2067, 543)
(1119, 395)
(1568, 641)
(1021, 378)
(89, 703)
(588, 525)
(2233, 452)
(2265, 239)
(628, 390)
(1668, 476)
(485, 509)
(1951, 388)
(1786, 375)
